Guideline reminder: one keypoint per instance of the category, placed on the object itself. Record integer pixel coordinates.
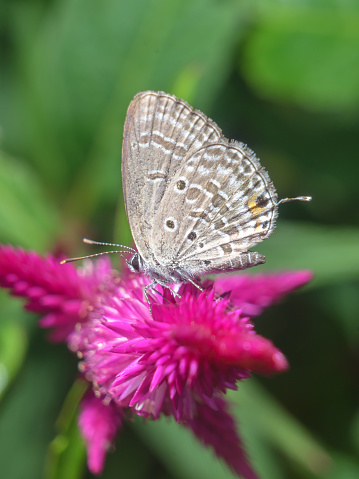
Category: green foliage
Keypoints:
(280, 76)
(66, 453)
(306, 54)
(27, 216)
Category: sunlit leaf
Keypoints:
(332, 253)
(180, 452)
(27, 217)
(66, 453)
(13, 344)
(28, 414)
(82, 75)
(264, 417)
(305, 54)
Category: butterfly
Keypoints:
(196, 202)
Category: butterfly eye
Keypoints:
(135, 263)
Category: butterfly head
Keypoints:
(135, 263)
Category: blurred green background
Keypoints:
(282, 76)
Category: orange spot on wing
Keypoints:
(252, 205)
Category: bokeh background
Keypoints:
(282, 76)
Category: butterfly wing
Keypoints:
(160, 132)
(219, 204)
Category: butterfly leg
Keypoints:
(152, 286)
(162, 296)
(195, 284)
(165, 285)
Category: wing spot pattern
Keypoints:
(257, 206)
(170, 224)
(220, 223)
(156, 175)
(181, 185)
(144, 140)
(192, 236)
(201, 215)
(227, 248)
(193, 192)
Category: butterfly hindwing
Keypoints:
(220, 203)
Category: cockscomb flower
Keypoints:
(193, 342)
(178, 361)
(62, 294)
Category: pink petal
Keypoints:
(216, 428)
(54, 289)
(251, 352)
(253, 293)
(98, 424)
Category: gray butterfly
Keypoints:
(195, 201)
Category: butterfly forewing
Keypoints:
(160, 132)
(220, 203)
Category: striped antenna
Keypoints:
(297, 198)
(88, 241)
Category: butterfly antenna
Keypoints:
(88, 241)
(70, 260)
(297, 198)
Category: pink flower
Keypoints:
(63, 294)
(178, 362)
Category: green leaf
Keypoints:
(263, 417)
(262, 423)
(66, 454)
(85, 63)
(354, 433)
(332, 253)
(344, 466)
(306, 54)
(180, 451)
(13, 343)
(28, 413)
(27, 217)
